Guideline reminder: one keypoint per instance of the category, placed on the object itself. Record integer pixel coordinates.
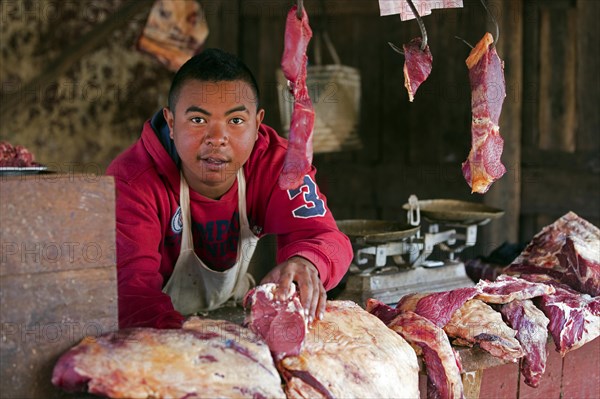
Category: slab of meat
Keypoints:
(206, 358)
(486, 74)
(567, 250)
(532, 333)
(442, 363)
(574, 317)
(17, 156)
(298, 158)
(477, 323)
(417, 66)
(349, 353)
(437, 307)
(282, 324)
(509, 288)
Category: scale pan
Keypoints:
(361, 231)
(448, 210)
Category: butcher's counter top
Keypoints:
(485, 376)
(58, 284)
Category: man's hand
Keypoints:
(302, 272)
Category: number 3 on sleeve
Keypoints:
(313, 205)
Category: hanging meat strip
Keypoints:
(486, 74)
(298, 158)
(417, 65)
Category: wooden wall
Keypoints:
(549, 120)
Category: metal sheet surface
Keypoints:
(449, 210)
(364, 231)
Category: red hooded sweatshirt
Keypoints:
(149, 225)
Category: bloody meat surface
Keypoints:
(486, 75)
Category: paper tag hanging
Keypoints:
(424, 7)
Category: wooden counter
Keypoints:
(576, 376)
(57, 273)
(487, 377)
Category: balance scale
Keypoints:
(391, 259)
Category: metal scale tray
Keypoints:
(373, 232)
(456, 211)
(389, 284)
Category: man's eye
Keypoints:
(198, 119)
(237, 121)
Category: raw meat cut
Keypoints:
(442, 363)
(574, 317)
(486, 75)
(567, 250)
(437, 307)
(477, 323)
(206, 358)
(532, 333)
(509, 288)
(299, 155)
(17, 156)
(351, 353)
(348, 353)
(443, 366)
(417, 66)
(282, 324)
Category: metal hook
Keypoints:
(493, 20)
(299, 9)
(421, 24)
(464, 41)
(396, 48)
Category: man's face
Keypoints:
(214, 127)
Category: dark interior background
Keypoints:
(76, 91)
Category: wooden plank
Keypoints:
(557, 191)
(56, 222)
(500, 382)
(43, 315)
(396, 183)
(581, 161)
(557, 79)
(531, 76)
(474, 359)
(472, 383)
(551, 380)
(223, 33)
(588, 81)
(369, 62)
(423, 385)
(581, 372)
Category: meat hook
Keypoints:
(493, 20)
(464, 41)
(421, 26)
(299, 9)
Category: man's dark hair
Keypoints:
(211, 65)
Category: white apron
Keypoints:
(193, 286)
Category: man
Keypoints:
(199, 188)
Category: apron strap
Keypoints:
(187, 241)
